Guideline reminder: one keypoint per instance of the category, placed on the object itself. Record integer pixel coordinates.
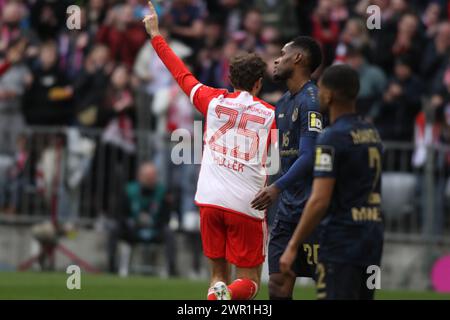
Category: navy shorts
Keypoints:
(338, 281)
(305, 263)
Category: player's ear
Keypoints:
(327, 95)
(260, 82)
(298, 57)
(258, 86)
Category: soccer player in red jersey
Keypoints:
(237, 135)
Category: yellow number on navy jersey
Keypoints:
(375, 163)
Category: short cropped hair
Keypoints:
(343, 80)
(312, 49)
(245, 70)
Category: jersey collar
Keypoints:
(290, 95)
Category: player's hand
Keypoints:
(265, 197)
(151, 21)
(286, 261)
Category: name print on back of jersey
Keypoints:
(228, 150)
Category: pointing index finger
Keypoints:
(151, 7)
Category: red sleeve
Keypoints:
(4, 67)
(202, 95)
(199, 94)
(273, 136)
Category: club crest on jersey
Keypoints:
(324, 158)
(295, 115)
(314, 121)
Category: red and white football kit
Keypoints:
(236, 138)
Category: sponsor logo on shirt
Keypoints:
(324, 158)
(314, 121)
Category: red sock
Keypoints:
(243, 289)
(211, 295)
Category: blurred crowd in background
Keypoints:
(106, 77)
(107, 69)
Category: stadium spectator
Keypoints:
(48, 101)
(270, 35)
(325, 29)
(214, 34)
(430, 19)
(117, 111)
(354, 34)
(249, 38)
(434, 132)
(229, 13)
(440, 99)
(12, 189)
(73, 47)
(90, 86)
(47, 17)
(436, 55)
(279, 14)
(212, 64)
(213, 59)
(408, 39)
(122, 33)
(372, 82)
(384, 38)
(116, 115)
(340, 11)
(10, 30)
(13, 83)
(401, 103)
(185, 22)
(399, 7)
(95, 15)
(144, 217)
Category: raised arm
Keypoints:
(199, 94)
(179, 71)
(185, 79)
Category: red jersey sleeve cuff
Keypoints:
(157, 39)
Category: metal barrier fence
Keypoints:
(416, 192)
(71, 174)
(78, 175)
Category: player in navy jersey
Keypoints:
(346, 194)
(299, 122)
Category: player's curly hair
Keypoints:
(245, 70)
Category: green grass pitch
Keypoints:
(29, 285)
